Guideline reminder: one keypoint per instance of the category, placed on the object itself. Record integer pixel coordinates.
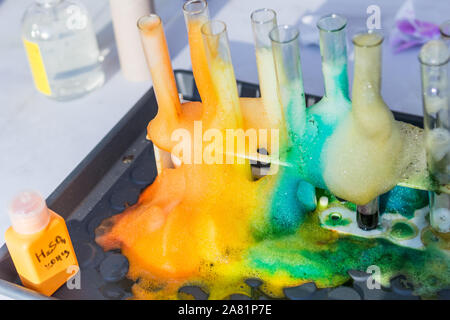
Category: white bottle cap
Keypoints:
(28, 213)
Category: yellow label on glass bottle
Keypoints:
(37, 67)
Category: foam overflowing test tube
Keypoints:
(158, 60)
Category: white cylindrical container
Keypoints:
(125, 15)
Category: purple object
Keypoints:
(412, 32)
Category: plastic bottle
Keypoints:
(39, 244)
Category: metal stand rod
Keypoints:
(367, 215)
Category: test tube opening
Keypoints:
(263, 16)
(284, 34)
(194, 7)
(214, 28)
(368, 39)
(331, 23)
(148, 22)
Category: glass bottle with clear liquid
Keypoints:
(62, 49)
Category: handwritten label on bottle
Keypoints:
(56, 251)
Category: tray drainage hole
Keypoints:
(114, 267)
(128, 159)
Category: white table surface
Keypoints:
(41, 141)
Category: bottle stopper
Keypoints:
(28, 213)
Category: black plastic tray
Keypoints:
(112, 177)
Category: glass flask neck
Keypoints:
(333, 49)
(367, 71)
(371, 115)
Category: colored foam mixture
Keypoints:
(214, 225)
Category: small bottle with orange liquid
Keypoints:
(39, 244)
